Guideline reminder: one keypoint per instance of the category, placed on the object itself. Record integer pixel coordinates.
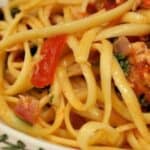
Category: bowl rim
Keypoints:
(31, 141)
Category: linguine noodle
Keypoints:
(91, 103)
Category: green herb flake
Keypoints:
(124, 63)
(51, 99)
(14, 11)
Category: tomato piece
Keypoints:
(91, 8)
(140, 79)
(44, 70)
(139, 75)
(28, 110)
(146, 3)
(110, 4)
(77, 121)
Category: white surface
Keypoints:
(3, 3)
(30, 142)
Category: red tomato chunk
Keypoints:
(44, 71)
(28, 110)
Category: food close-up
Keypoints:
(76, 73)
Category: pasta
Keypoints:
(77, 73)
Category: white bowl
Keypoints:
(11, 139)
(3, 3)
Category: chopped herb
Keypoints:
(145, 105)
(33, 49)
(15, 11)
(51, 99)
(124, 63)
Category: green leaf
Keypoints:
(3, 137)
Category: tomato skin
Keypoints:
(145, 3)
(28, 110)
(44, 70)
(110, 4)
(91, 8)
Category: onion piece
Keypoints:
(122, 45)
